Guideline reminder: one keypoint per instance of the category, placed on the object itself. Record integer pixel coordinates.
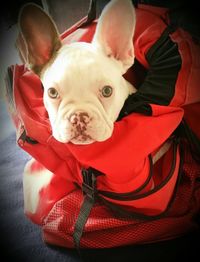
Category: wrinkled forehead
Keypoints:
(75, 58)
(78, 61)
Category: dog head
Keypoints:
(84, 87)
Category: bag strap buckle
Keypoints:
(89, 183)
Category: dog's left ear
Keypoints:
(114, 32)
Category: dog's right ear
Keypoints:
(38, 38)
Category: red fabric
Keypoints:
(122, 175)
(187, 84)
(150, 23)
(135, 164)
(123, 158)
(104, 230)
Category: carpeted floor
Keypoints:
(19, 238)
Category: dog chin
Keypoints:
(78, 140)
(84, 138)
(82, 142)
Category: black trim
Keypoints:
(165, 63)
(135, 104)
(89, 183)
(123, 213)
(92, 13)
(158, 87)
(129, 195)
(132, 196)
(90, 196)
(23, 137)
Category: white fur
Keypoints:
(79, 73)
(115, 30)
(81, 70)
(33, 182)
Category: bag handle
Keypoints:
(124, 213)
(91, 194)
(134, 195)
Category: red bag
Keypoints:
(110, 194)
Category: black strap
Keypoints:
(90, 196)
(24, 138)
(123, 213)
(82, 219)
(92, 13)
(138, 195)
(130, 195)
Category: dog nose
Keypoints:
(78, 118)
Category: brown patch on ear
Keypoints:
(38, 40)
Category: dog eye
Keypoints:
(107, 91)
(53, 93)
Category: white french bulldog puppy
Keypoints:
(84, 87)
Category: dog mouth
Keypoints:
(82, 138)
(75, 138)
(95, 132)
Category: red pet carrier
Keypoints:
(110, 193)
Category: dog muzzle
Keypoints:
(82, 127)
